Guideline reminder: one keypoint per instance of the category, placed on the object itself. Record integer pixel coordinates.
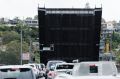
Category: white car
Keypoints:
(64, 68)
(50, 64)
(41, 68)
(53, 63)
(92, 70)
(16, 72)
(35, 68)
(61, 68)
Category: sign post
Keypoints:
(25, 56)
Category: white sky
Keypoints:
(28, 8)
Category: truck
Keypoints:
(92, 70)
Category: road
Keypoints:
(42, 78)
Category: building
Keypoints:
(31, 22)
(4, 20)
(107, 29)
(69, 33)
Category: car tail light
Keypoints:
(92, 65)
(52, 74)
(49, 74)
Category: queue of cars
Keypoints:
(61, 70)
(84, 70)
(26, 71)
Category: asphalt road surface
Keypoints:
(42, 78)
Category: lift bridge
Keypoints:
(69, 33)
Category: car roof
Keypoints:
(42, 64)
(102, 62)
(96, 62)
(56, 61)
(65, 63)
(14, 66)
(31, 64)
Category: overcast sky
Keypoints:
(26, 8)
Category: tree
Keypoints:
(9, 36)
(11, 39)
(3, 27)
(115, 45)
(12, 53)
(34, 32)
(115, 40)
(14, 46)
(37, 57)
(8, 58)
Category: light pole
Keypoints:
(30, 50)
(21, 47)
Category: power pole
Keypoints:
(30, 50)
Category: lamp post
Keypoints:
(30, 50)
(21, 47)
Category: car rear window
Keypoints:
(64, 67)
(87, 69)
(93, 69)
(49, 64)
(16, 73)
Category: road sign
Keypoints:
(25, 56)
(46, 47)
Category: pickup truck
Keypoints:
(92, 70)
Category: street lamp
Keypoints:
(21, 47)
(30, 50)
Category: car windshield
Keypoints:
(64, 67)
(53, 63)
(16, 73)
(93, 69)
(86, 69)
(42, 66)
